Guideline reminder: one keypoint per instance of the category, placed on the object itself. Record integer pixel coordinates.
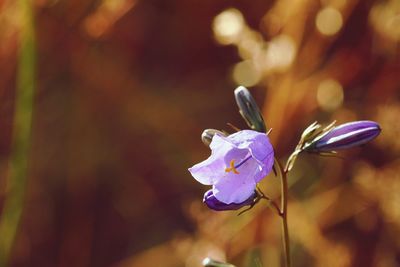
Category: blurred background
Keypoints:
(102, 104)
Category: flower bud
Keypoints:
(213, 203)
(208, 135)
(208, 262)
(346, 136)
(249, 110)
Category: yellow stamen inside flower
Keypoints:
(232, 167)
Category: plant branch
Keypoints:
(283, 212)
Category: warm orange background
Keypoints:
(123, 90)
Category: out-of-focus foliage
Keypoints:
(21, 133)
(123, 91)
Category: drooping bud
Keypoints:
(346, 136)
(249, 110)
(208, 135)
(213, 203)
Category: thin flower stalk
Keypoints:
(282, 173)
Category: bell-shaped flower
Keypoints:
(237, 163)
(346, 136)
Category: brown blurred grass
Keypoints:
(124, 89)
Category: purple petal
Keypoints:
(237, 187)
(259, 147)
(265, 169)
(348, 135)
(209, 171)
(236, 164)
(213, 203)
(258, 143)
(349, 127)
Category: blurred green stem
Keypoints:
(18, 166)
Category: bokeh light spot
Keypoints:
(329, 21)
(330, 95)
(246, 74)
(250, 47)
(281, 52)
(228, 25)
(385, 18)
(335, 3)
(393, 26)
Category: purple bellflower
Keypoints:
(346, 136)
(237, 163)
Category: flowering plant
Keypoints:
(237, 163)
(240, 160)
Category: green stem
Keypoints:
(286, 246)
(16, 181)
(283, 212)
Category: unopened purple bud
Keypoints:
(213, 203)
(249, 110)
(346, 136)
